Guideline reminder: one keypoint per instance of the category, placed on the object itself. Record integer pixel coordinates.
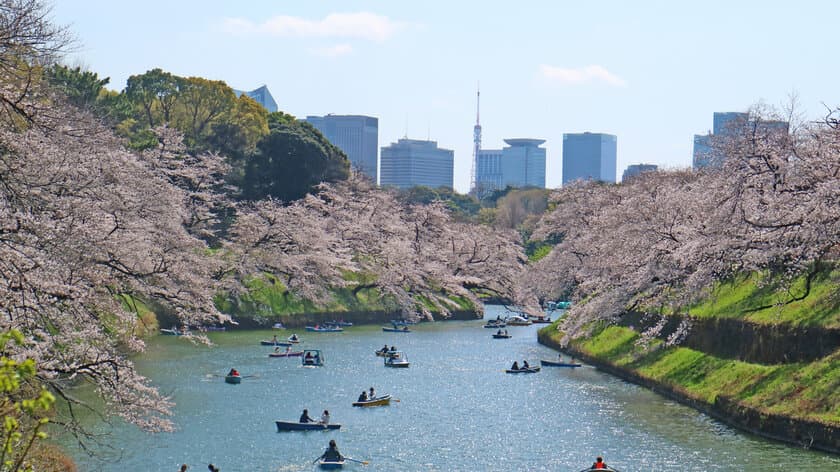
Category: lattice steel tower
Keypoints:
(476, 138)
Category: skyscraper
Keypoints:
(411, 162)
(589, 156)
(708, 152)
(356, 135)
(262, 96)
(520, 164)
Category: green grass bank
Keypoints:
(761, 356)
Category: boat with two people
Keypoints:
(287, 353)
(298, 426)
(501, 334)
(386, 351)
(274, 342)
(396, 359)
(312, 358)
(381, 400)
(497, 323)
(525, 368)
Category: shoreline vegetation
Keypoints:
(770, 369)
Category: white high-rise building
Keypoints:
(411, 162)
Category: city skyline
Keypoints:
(650, 73)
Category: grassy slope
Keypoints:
(809, 391)
(267, 297)
(740, 298)
(802, 390)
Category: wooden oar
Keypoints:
(354, 460)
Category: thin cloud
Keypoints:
(333, 51)
(581, 75)
(361, 25)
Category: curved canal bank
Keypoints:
(700, 380)
(456, 411)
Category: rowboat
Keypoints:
(325, 329)
(529, 370)
(275, 343)
(608, 469)
(174, 331)
(294, 339)
(385, 353)
(559, 364)
(502, 336)
(378, 401)
(540, 319)
(278, 326)
(343, 324)
(518, 321)
(312, 358)
(404, 329)
(396, 360)
(330, 465)
(233, 379)
(286, 354)
(297, 426)
(495, 324)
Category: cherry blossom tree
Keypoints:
(667, 237)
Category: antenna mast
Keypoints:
(476, 137)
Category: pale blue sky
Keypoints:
(650, 72)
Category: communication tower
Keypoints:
(476, 138)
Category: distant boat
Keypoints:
(501, 336)
(175, 331)
(275, 343)
(312, 358)
(404, 329)
(211, 328)
(341, 323)
(297, 426)
(286, 354)
(278, 326)
(518, 321)
(529, 370)
(559, 364)
(398, 359)
(540, 319)
(233, 379)
(294, 339)
(325, 329)
(495, 324)
(381, 400)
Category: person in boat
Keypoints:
(234, 373)
(277, 349)
(515, 366)
(384, 349)
(288, 349)
(525, 365)
(308, 357)
(184, 468)
(599, 463)
(505, 332)
(274, 339)
(372, 394)
(393, 348)
(317, 358)
(405, 328)
(363, 397)
(212, 468)
(294, 337)
(499, 332)
(325, 417)
(332, 454)
(305, 418)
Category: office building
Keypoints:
(589, 156)
(356, 135)
(707, 151)
(636, 169)
(411, 162)
(262, 96)
(520, 164)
